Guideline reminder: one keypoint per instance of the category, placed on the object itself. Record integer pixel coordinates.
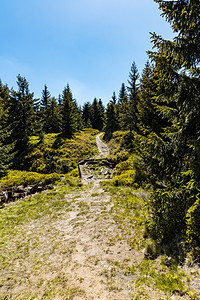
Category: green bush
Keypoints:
(130, 171)
(167, 208)
(193, 228)
(16, 178)
(127, 178)
(58, 154)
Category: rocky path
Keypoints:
(100, 252)
(102, 147)
(96, 168)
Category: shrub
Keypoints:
(193, 228)
(16, 178)
(127, 179)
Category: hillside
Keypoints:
(86, 241)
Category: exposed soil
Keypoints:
(96, 263)
(103, 148)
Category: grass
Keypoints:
(115, 142)
(28, 241)
(131, 213)
(160, 278)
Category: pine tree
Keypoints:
(174, 157)
(86, 115)
(122, 94)
(111, 122)
(130, 117)
(6, 150)
(21, 114)
(97, 114)
(69, 113)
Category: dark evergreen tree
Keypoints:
(69, 113)
(21, 115)
(101, 114)
(6, 150)
(122, 107)
(148, 117)
(122, 94)
(111, 122)
(45, 110)
(114, 98)
(86, 114)
(4, 104)
(130, 117)
(174, 157)
(46, 96)
(53, 120)
(97, 114)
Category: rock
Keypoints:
(50, 187)
(15, 193)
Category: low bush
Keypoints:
(56, 153)
(130, 170)
(16, 178)
(193, 226)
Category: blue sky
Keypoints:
(89, 44)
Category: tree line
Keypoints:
(22, 116)
(160, 112)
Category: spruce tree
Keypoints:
(130, 117)
(114, 98)
(53, 120)
(122, 94)
(45, 109)
(6, 150)
(97, 114)
(69, 113)
(86, 115)
(148, 118)
(174, 159)
(21, 114)
(111, 122)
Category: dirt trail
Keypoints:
(78, 254)
(103, 148)
(93, 169)
(100, 252)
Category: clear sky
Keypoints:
(89, 44)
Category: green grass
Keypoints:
(27, 242)
(115, 143)
(131, 213)
(162, 276)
